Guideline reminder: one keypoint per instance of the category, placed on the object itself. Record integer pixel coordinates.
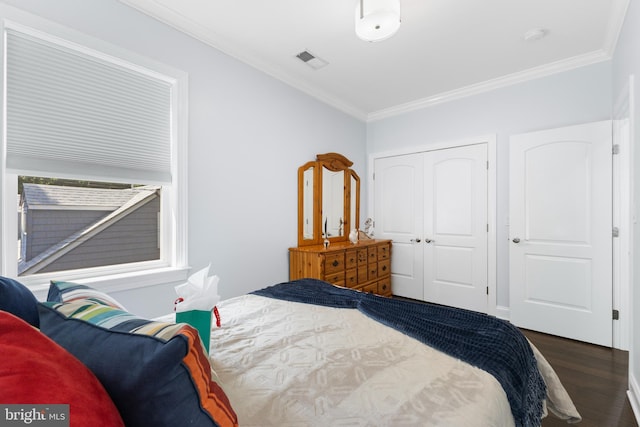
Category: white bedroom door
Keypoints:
(398, 200)
(455, 227)
(561, 232)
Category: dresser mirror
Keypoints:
(328, 200)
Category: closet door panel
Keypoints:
(455, 215)
(398, 188)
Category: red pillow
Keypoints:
(36, 370)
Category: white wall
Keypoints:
(578, 96)
(626, 62)
(248, 133)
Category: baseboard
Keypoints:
(503, 312)
(634, 397)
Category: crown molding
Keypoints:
(493, 84)
(181, 23)
(185, 25)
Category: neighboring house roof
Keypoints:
(43, 196)
(137, 198)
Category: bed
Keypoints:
(302, 353)
(311, 354)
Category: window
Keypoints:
(93, 158)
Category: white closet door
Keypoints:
(398, 205)
(433, 206)
(561, 224)
(455, 225)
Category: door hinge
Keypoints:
(615, 149)
(615, 232)
(616, 315)
(487, 164)
(487, 290)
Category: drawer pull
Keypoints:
(335, 263)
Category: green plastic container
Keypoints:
(199, 319)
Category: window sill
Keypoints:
(121, 281)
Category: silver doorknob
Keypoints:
(428, 240)
(416, 240)
(516, 240)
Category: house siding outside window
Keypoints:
(69, 228)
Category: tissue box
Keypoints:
(199, 319)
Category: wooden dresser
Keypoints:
(365, 266)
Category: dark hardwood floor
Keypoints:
(595, 377)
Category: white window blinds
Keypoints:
(70, 112)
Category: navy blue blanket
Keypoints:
(483, 341)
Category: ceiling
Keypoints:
(445, 49)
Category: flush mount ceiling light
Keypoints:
(377, 20)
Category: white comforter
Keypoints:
(291, 364)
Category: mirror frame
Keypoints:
(334, 162)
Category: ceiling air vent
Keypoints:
(311, 60)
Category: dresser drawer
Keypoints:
(335, 278)
(384, 251)
(351, 278)
(372, 271)
(372, 253)
(362, 256)
(384, 268)
(334, 263)
(362, 273)
(351, 259)
(371, 288)
(384, 287)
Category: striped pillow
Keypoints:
(68, 291)
(157, 373)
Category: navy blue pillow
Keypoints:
(158, 374)
(19, 301)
